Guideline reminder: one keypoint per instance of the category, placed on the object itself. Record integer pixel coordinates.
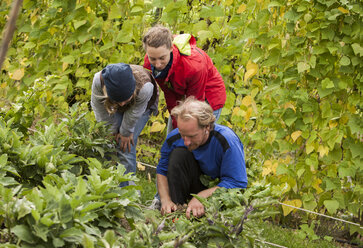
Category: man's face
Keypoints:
(193, 135)
(159, 57)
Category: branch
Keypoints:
(9, 31)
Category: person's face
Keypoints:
(193, 135)
(159, 57)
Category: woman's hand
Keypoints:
(125, 142)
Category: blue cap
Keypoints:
(119, 81)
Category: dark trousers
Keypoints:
(183, 175)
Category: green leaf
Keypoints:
(345, 61)
(3, 159)
(160, 3)
(204, 35)
(91, 206)
(331, 205)
(358, 50)
(115, 11)
(302, 66)
(323, 92)
(355, 125)
(282, 169)
(289, 117)
(77, 24)
(57, 242)
(356, 149)
(331, 183)
(24, 233)
(8, 181)
(72, 234)
(66, 211)
(136, 9)
(126, 33)
(29, 45)
(24, 207)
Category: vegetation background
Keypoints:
(293, 74)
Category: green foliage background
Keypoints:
(292, 69)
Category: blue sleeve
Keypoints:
(233, 167)
(162, 167)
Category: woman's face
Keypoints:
(159, 57)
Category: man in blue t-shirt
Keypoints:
(196, 147)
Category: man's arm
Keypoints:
(195, 206)
(167, 205)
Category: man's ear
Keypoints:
(207, 128)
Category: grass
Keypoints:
(271, 233)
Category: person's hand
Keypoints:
(167, 207)
(196, 207)
(125, 142)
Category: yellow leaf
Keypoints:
(266, 171)
(65, 66)
(269, 167)
(333, 124)
(296, 203)
(251, 70)
(295, 135)
(140, 167)
(3, 85)
(254, 92)
(18, 74)
(241, 8)
(248, 114)
(157, 127)
(323, 150)
(228, 2)
(344, 11)
(258, 83)
(309, 148)
(290, 105)
(149, 177)
(229, 124)
(237, 112)
(316, 185)
(53, 30)
(23, 62)
(271, 136)
(247, 101)
(344, 119)
(49, 95)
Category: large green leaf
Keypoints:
(331, 206)
(23, 232)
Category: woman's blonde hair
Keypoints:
(192, 108)
(158, 36)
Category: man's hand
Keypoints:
(196, 207)
(125, 142)
(167, 207)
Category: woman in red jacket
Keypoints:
(182, 69)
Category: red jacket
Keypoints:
(191, 75)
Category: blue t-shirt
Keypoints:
(220, 157)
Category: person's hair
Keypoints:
(112, 106)
(158, 36)
(192, 108)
